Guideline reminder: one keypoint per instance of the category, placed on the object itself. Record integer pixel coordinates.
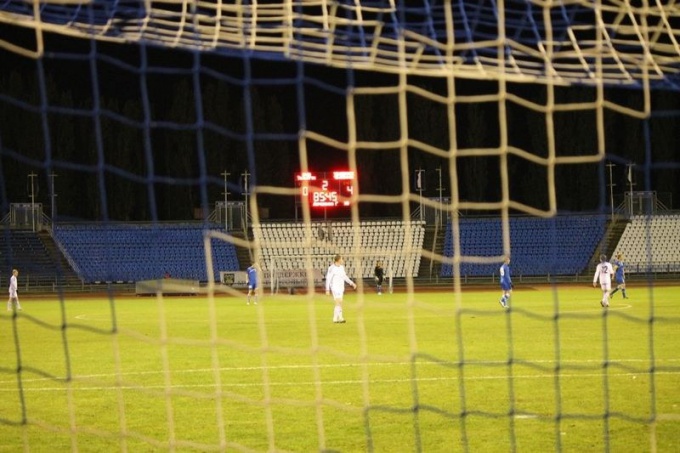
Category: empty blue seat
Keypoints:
(561, 245)
(143, 252)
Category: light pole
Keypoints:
(441, 190)
(53, 211)
(419, 188)
(226, 211)
(246, 190)
(32, 177)
(630, 185)
(611, 187)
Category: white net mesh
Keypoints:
(144, 109)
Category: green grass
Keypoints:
(436, 372)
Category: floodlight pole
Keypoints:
(611, 187)
(440, 189)
(419, 187)
(53, 196)
(226, 211)
(246, 190)
(32, 176)
(629, 175)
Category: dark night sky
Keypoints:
(97, 113)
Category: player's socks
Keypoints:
(625, 296)
(614, 292)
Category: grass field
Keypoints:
(432, 372)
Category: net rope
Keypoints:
(547, 46)
(631, 43)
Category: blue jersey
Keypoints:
(620, 274)
(252, 277)
(506, 280)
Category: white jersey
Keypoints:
(13, 286)
(604, 273)
(336, 278)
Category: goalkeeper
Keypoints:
(378, 275)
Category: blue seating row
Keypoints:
(21, 249)
(561, 245)
(136, 253)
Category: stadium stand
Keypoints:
(131, 253)
(561, 245)
(23, 250)
(295, 245)
(650, 244)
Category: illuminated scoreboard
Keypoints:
(331, 189)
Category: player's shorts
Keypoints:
(338, 293)
(620, 281)
(606, 286)
(252, 286)
(506, 286)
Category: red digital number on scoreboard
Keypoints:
(326, 189)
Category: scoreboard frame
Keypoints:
(326, 189)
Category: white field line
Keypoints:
(594, 308)
(77, 381)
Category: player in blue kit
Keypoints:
(506, 283)
(619, 276)
(252, 283)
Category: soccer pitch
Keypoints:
(428, 371)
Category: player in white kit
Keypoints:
(603, 273)
(336, 277)
(13, 296)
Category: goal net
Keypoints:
(481, 129)
(289, 272)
